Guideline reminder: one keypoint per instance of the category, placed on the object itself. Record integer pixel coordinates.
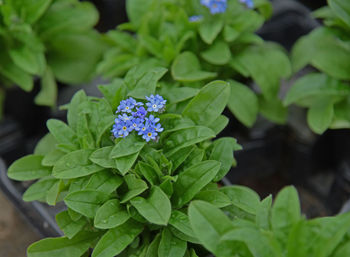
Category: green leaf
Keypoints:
(177, 94)
(342, 9)
(84, 134)
(186, 68)
(67, 16)
(320, 116)
(223, 152)
(186, 137)
(209, 103)
(267, 64)
(75, 108)
(218, 54)
(104, 181)
(243, 103)
(53, 193)
(28, 168)
(110, 215)
(210, 29)
(46, 144)
(32, 10)
(243, 198)
(156, 208)
(75, 164)
(127, 146)
(117, 239)
(208, 223)
(148, 172)
(313, 86)
(68, 59)
(273, 109)
(147, 84)
(125, 163)
(170, 246)
(192, 180)
(319, 236)
(27, 59)
(257, 243)
(136, 10)
(114, 92)
(180, 156)
(263, 213)
(181, 222)
(62, 246)
(61, 131)
(15, 74)
(52, 157)
(38, 190)
(230, 33)
(331, 54)
(68, 226)
(285, 211)
(86, 202)
(219, 124)
(135, 185)
(342, 251)
(101, 157)
(48, 93)
(302, 52)
(152, 250)
(214, 197)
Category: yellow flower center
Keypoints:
(149, 134)
(124, 128)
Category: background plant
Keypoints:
(198, 45)
(253, 227)
(126, 191)
(326, 92)
(50, 39)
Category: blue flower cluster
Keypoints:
(215, 6)
(248, 3)
(132, 116)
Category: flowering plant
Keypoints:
(326, 92)
(199, 40)
(47, 39)
(128, 195)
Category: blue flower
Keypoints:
(215, 6)
(143, 129)
(149, 134)
(158, 127)
(124, 117)
(127, 105)
(155, 103)
(248, 3)
(151, 120)
(141, 113)
(137, 124)
(122, 128)
(195, 18)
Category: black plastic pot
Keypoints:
(291, 20)
(112, 13)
